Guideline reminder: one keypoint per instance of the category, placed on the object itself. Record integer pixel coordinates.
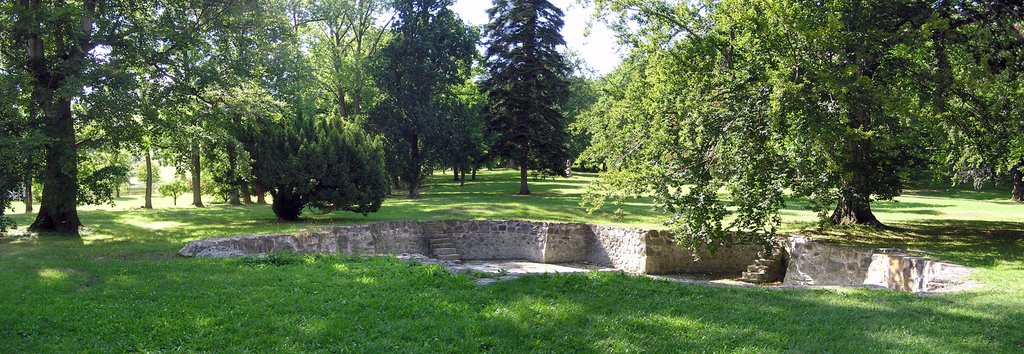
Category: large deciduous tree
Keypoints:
(429, 54)
(833, 101)
(526, 84)
(55, 43)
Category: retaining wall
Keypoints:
(631, 250)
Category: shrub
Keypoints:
(327, 165)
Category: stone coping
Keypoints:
(807, 262)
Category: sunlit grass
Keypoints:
(120, 287)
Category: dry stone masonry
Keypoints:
(797, 260)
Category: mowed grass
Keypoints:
(121, 288)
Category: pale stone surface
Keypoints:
(814, 263)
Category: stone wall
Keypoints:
(664, 256)
(631, 250)
(814, 263)
(808, 262)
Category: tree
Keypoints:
(307, 161)
(54, 44)
(526, 84)
(834, 102)
(173, 189)
(429, 55)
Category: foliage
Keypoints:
(428, 56)
(174, 189)
(324, 164)
(833, 102)
(526, 86)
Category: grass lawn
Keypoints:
(121, 288)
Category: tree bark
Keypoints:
(415, 177)
(197, 185)
(260, 194)
(58, 209)
(524, 189)
(462, 181)
(149, 180)
(472, 177)
(232, 175)
(1017, 176)
(246, 193)
(28, 193)
(854, 206)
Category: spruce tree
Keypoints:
(526, 84)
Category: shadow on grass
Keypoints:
(975, 243)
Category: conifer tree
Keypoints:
(527, 82)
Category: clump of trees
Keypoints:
(836, 102)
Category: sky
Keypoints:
(599, 49)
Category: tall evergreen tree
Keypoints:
(527, 82)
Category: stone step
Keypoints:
(449, 257)
(442, 245)
(766, 262)
(443, 251)
(756, 277)
(440, 240)
(757, 268)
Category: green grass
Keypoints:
(120, 287)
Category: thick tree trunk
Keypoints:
(853, 209)
(246, 194)
(232, 175)
(197, 183)
(455, 174)
(854, 206)
(415, 175)
(524, 189)
(462, 181)
(1017, 174)
(149, 180)
(260, 194)
(28, 194)
(58, 209)
(472, 177)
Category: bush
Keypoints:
(327, 165)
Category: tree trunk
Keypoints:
(341, 102)
(473, 176)
(246, 194)
(854, 205)
(524, 189)
(260, 194)
(197, 185)
(415, 175)
(232, 175)
(58, 209)
(462, 181)
(149, 180)
(28, 193)
(455, 174)
(1018, 182)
